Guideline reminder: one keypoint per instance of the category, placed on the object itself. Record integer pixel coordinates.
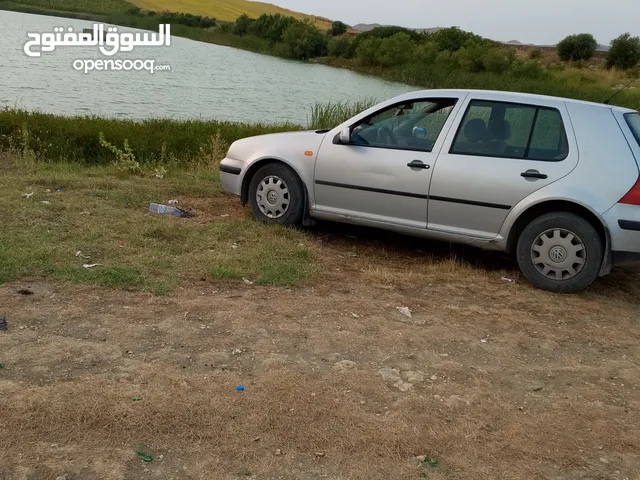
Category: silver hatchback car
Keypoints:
(553, 181)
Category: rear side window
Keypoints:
(633, 119)
(510, 130)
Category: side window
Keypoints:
(499, 129)
(408, 126)
(548, 139)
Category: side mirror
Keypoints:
(345, 136)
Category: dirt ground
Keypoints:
(486, 379)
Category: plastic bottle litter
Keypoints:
(240, 388)
(145, 456)
(160, 209)
(59, 189)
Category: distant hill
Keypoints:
(225, 10)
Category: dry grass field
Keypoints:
(225, 10)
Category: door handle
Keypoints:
(418, 164)
(534, 174)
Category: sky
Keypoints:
(529, 21)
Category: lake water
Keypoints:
(205, 81)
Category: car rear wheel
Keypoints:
(276, 195)
(560, 252)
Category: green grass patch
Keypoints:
(101, 217)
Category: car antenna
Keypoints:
(622, 89)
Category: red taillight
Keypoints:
(633, 196)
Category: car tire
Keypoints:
(276, 195)
(560, 242)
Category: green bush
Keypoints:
(426, 53)
(453, 39)
(624, 52)
(337, 28)
(339, 46)
(528, 69)
(270, 27)
(367, 51)
(395, 50)
(302, 41)
(381, 33)
(242, 24)
(535, 54)
(577, 47)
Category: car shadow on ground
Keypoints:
(622, 283)
(347, 237)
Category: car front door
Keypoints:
(500, 153)
(382, 174)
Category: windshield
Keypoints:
(633, 119)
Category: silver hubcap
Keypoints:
(559, 254)
(272, 197)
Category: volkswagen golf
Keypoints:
(553, 181)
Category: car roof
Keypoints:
(514, 96)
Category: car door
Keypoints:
(501, 152)
(382, 173)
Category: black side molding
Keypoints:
(414, 195)
(629, 225)
(231, 170)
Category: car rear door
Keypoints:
(502, 152)
(383, 174)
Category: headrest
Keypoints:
(475, 130)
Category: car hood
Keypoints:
(276, 144)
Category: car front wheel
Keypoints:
(276, 195)
(560, 252)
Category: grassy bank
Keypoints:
(54, 138)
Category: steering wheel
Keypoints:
(386, 132)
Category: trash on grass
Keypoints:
(122, 244)
(224, 216)
(59, 189)
(3, 324)
(404, 311)
(81, 255)
(1, 366)
(145, 456)
(240, 388)
(160, 209)
(45, 202)
(136, 399)
(248, 282)
(92, 265)
(508, 280)
(172, 202)
(27, 195)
